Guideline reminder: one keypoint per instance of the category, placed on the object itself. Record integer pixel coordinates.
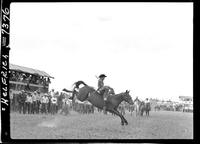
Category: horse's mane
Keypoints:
(67, 90)
(120, 93)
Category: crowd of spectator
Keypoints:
(27, 102)
(36, 102)
(29, 78)
(168, 105)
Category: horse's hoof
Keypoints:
(126, 123)
(122, 124)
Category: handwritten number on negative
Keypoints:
(5, 18)
(6, 12)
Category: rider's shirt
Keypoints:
(100, 83)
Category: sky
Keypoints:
(146, 48)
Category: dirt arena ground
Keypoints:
(159, 125)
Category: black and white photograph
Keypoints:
(101, 70)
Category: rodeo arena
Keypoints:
(38, 112)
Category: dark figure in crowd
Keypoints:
(11, 100)
(59, 100)
(15, 102)
(54, 105)
(38, 102)
(21, 101)
(49, 103)
(29, 103)
(34, 102)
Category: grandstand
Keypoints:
(24, 78)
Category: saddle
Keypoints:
(101, 93)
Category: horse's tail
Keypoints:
(78, 83)
(74, 91)
(67, 90)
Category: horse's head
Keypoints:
(127, 97)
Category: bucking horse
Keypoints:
(95, 98)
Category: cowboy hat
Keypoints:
(102, 75)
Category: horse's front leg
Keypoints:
(126, 122)
(122, 117)
(118, 114)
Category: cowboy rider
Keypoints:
(103, 89)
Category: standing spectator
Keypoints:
(27, 78)
(59, 100)
(45, 81)
(37, 80)
(43, 101)
(12, 75)
(20, 78)
(52, 93)
(38, 102)
(33, 80)
(46, 102)
(26, 103)
(146, 101)
(49, 102)
(34, 102)
(29, 103)
(11, 100)
(41, 80)
(24, 77)
(54, 104)
(65, 106)
(15, 102)
(48, 81)
(21, 100)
